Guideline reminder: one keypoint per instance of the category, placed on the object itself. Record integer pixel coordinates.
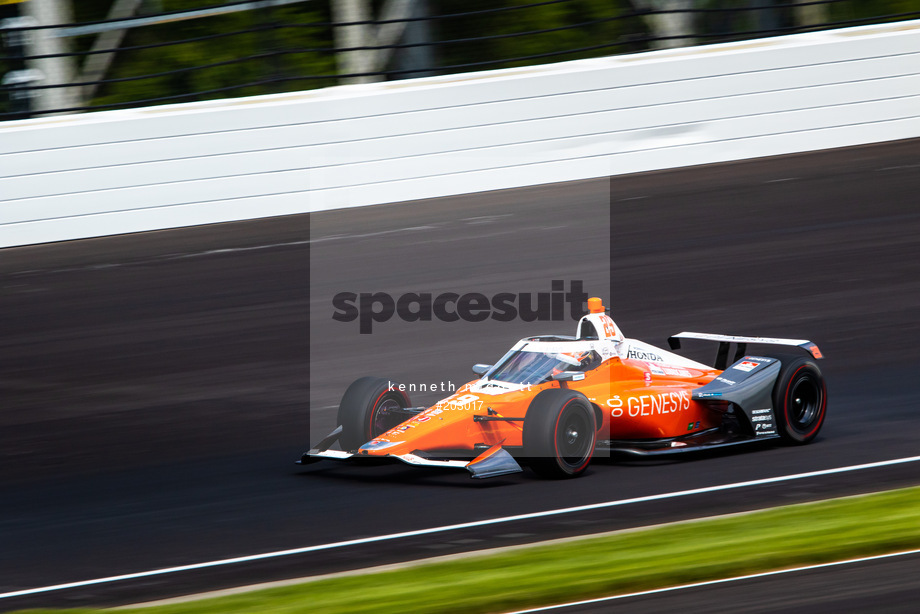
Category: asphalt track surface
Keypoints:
(156, 388)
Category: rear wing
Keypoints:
(725, 342)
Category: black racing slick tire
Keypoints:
(560, 433)
(365, 410)
(799, 400)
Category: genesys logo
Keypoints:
(371, 307)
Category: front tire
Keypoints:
(366, 410)
(799, 400)
(560, 432)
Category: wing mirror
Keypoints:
(481, 369)
(569, 376)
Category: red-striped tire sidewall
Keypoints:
(545, 417)
(793, 370)
(356, 410)
(566, 467)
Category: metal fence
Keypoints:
(61, 56)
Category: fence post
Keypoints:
(57, 71)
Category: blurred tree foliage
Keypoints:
(720, 19)
(875, 8)
(536, 34)
(292, 47)
(237, 54)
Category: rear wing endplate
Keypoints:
(725, 341)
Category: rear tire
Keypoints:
(799, 400)
(364, 410)
(560, 433)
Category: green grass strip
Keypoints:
(598, 566)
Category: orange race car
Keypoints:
(551, 402)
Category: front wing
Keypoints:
(493, 462)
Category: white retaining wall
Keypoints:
(162, 167)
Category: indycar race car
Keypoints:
(552, 402)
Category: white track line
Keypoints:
(456, 527)
(713, 582)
